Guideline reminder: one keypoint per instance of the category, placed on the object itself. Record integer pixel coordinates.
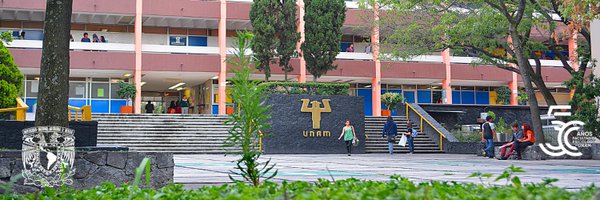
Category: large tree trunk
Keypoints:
(53, 98)
(525, 69)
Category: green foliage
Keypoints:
(507, 174)
(312, 88)
(584, 104)
(501, 126)
(522, 98)
(263, 16)
(503, 95)
(11, 78)
(323, 34)
(126, 90)
(288, 34)
(391, 100)
(275, 33)
(491, 114)
(395, 188)
(249, 119)
(464, 136)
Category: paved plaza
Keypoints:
(196, 170)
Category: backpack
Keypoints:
(414, 133)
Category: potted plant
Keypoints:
(391, 101)
(126, 91)
(522, 97)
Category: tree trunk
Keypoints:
(285, 73)
(53, 98)
(536, 122)
(541, 85)
(314, 78)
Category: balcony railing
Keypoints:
(152, 48)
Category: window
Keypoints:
(76, 89)
(100, 90)
(200, 41)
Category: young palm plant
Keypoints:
(249, 118)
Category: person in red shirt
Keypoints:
(527, 140)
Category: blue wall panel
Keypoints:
(467, 97)
(215, 109)
(456, 97)
(30, 102)
(409, 96)
(115, 105)
(368, 96)
(201, 41)
(482, 97)
(77, 103)
(424, 96)
(344, 46)
(99, 105)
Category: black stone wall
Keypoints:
(469, 113)
(11, 135)
(288, 124)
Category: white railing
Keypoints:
(153, 48)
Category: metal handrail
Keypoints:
(21, 110)
(428, 122)
(81, 114)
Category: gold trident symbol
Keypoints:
(316, 110)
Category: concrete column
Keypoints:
(223, 56)
(376, 84)
(302, 76)
(512, 85)
(137, 73)
(448, 79)
(573, 56)
(595, 37)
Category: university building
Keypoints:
(177, 47)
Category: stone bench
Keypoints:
(533, 152)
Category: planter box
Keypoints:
(126, 109)
(386, 112)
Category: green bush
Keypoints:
(503, 95)
(11, 78)
(341, 89)
(464, 136)
(396, 188)
(391, 100)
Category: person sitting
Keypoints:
(149, 107)
(85, 38)
(517, 134)
(527, 140)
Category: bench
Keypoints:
(533, 152)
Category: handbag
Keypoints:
(402, 141)
(355, 142)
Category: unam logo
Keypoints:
(564, 130)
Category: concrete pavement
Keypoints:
(197, 170)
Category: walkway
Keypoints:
(197, 170)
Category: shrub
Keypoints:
(503, 95)
(466, 136)
(11, 78)
(391, 100)
(341, 89)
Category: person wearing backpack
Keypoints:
(390, 130)
(487, 135)
(411, 133)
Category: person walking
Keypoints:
(149, 107)
(349, 136)
(527, 140)
(411, 133)
(390, 130)
(487, 136)
(185, 105)
(517, 135)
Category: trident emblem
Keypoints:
(316, 110)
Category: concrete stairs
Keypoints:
(377, 144)
(190, 134)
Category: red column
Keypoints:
(448, 79)
(512, 85)
(137, 73)
(573, 56)
(376, 84)
(223, 56)
(302, 76)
